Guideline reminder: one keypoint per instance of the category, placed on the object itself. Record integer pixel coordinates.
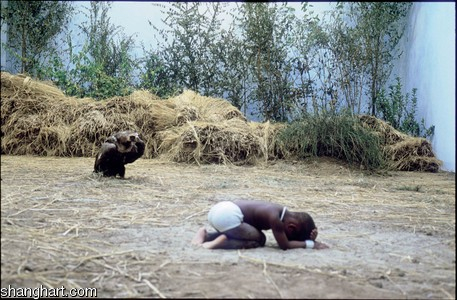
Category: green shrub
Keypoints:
(400, 111)
(340, 136)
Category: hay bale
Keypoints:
(403, 152)
(22, 134)
(266, 134)
(149, 113)
(52, 141)
(198, 122)
(410, 147)
(416, 163)
(153, 116)
(186, 114)
(35, 116)
(206, 109)
(31, 109)
(412, 154)
(230, 141)
(139, 99)
(92, 128)
(159, 116)
(13, 85)
(87, 133)
(388, 134)
(38, 119)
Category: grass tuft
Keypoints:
(340, 136)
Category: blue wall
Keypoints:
(428, 64)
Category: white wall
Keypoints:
(428, 64)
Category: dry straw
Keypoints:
(70, 229)
(39, 119)
(403, 152)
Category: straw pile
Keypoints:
(38, 119)
(404, 152)
(266, 134)
(207, 130)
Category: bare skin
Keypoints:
(217, 242)
(199, 237)
(258, 216)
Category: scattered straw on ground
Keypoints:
(392, 235)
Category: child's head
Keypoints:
(302, 225)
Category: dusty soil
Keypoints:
(391, 234)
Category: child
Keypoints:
(239, 224)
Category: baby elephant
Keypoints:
(119, 149)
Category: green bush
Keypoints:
(157, 78)
(400, 111)
(86, 78)
(340, 136)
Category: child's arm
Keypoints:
(300, 244)
(281, 237)
(317, 245)
(284, 243)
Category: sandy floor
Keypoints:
(392, 235)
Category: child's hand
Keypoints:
(320, 246)
(313, 234)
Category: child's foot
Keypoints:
(199, 237)
(216, 243)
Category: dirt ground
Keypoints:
(391, 234)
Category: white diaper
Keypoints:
(225, 215)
